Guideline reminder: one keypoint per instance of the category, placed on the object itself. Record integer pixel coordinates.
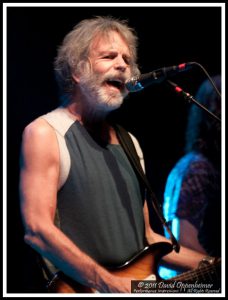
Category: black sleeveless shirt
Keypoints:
(99, 205)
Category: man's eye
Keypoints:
(127, 61)
(109, 56)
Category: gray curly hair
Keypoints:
(76, 46)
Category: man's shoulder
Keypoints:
(38, 128)
(43, 123)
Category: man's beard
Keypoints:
(98, 95)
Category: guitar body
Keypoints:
(144, 263)
(140, 267)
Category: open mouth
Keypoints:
(115, 83)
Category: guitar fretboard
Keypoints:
(206, 273)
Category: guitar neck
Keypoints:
(207, 273)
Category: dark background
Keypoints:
(156, 116)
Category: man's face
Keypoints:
(110, 62)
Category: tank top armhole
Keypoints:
(138, 150)
(64, 161)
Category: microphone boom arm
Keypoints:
(190, 98)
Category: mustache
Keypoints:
(94, 80)
(119, 77)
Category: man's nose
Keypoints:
(120, 64)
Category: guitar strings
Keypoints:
(202, 271)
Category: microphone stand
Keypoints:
(190, 98)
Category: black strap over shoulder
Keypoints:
(128, 146)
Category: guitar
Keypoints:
(142, 266)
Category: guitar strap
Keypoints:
(129, 148)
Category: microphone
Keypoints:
(137, 83)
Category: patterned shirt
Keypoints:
(193, 193)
